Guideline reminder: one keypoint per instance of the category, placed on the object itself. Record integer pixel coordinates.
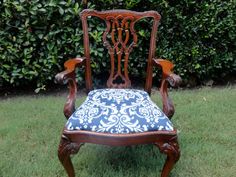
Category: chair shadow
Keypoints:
(130, 161)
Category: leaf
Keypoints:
(76, 8)
(61, 10)
(6, 66)
(40, 36)
(8, 12)
(37, 90)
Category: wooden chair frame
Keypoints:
(166, 141)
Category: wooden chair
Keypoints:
(119, 116)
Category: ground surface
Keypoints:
(205, 118)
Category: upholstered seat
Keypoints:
(119, 111)
(119, 116)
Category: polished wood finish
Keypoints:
(167, 77)
(120, 23)
(119, 38)
(68, 76)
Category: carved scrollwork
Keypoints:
(68, 76)
(66, 148)
(171, 149)
(123, 38)
(119, 28)
(168, 77)
(174, 80)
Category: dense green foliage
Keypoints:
(36, 37)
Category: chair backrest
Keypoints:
(119, 38)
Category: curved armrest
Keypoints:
(68, 76)
(68, 73)
(167, 77)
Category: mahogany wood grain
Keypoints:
(119, 38)
(167, 77)
(68, 76)
(120, 23)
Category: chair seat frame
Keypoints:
(71, 141)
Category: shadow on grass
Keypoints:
(104, 161)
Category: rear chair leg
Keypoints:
(171, 149)
(65, 149)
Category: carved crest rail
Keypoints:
(119, 38)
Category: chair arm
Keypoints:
(167, 77)
(69, 65)
(68, 76)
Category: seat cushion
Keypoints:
(118, 111)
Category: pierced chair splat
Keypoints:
(118, 115)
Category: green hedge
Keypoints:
(37, 36)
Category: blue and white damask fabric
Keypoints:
(118, 111)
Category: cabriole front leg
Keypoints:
(65, 149)
(171, 149)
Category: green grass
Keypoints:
(30, 128)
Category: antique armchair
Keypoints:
(119, 116)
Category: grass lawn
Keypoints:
(30, 128)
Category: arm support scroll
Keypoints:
(167, 77)
(68, 76)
